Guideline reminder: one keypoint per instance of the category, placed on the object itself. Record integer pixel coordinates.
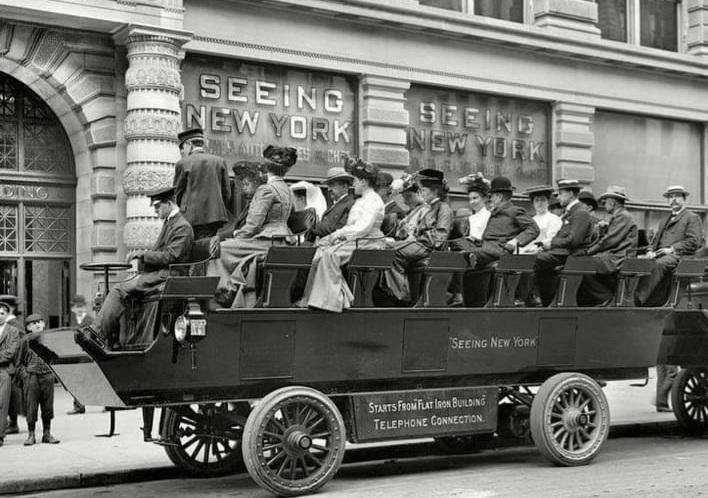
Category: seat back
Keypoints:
(298, 221)
(364, 267)
(571, 276)
(281, 267)
(507, 276)
(633, 269)
(437, 275)
(687, 271)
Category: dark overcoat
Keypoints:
(334, 218)
(612, 248)
(683, 233)
(202, 188)
(508, 221)
(573, 238)
(9, 345)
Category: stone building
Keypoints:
(93, 93)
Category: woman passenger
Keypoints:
(266, 220)
(431, 231)
(326, 287)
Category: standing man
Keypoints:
(9, 345)
(79, 318)
(571, 240)
(202, 187)
(39, 388)
(334, 217)
(17, 399)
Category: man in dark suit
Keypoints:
(173, 246)
(338, 183)
(572, 239)
(202, 187)
(17, 399)
(79, 318)
(617, 238)
(392, 211)
(9, 345)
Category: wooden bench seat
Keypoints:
(280, 269)
(507, 275)
(364, 269)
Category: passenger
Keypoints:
(338, 183)
(572, 239)
(554, 205)
(681, 234)
(617, 238)
(430, 233)
(548, 223)
(410, 192)
(588, 200)
(250, 175)
(308, 196)
(202, 186)
(266, 225)
(173, 245)
(392, 211)
(326, 287)
(9, 345)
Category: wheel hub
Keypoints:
(297, 440)
(574, 419)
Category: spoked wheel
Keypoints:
(205, 440)
(293, 441)
(689, 399)
(570, 419)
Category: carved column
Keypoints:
(384, 120)
(567, 17)
(697, 35)
(573, 141)
(153, 85)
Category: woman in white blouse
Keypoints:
(326, 287)
(547, 222)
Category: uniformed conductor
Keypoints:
(202, 187)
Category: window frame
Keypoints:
(467, 7)
(634, 28)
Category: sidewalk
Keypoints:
(83, 460)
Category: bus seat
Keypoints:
(571, 276)
(364, 268)
(507, 275)
(280, 268)
(631, 272)
(437, 275)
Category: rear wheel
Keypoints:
(689, 399)
(294, 441)
(570, 419)
(205, 440)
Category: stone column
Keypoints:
(573, 140)
(697, 35)
(384, 120)
(152, 121)
(567, 17)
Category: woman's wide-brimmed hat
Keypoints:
(284, 156)
(540, 191)
(501, 184)
(614, 192)
(476, 183)
(675, 189)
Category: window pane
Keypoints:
(658, 23)
(645, 155)
(612, 19)
(509, 10)
(444, 4)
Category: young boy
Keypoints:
(39, 388)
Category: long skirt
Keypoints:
(408, 255)
(234, 252)
(326, 287)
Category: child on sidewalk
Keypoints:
(39, 388)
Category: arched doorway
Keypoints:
(37, 196)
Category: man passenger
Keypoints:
(392, 211)
(334, 217)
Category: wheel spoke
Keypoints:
(303, 464)
(277, 424)
(321, 435)
(285, 415)
(272, 446)
(318, 462)
(320, 447)
(585, 433)
(293, 468)
(273, 435)
(190, 442)
(283, 465)
(207, 451)
(197, 449)
(275, 458)
(317, 422)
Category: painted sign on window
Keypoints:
(461, 133)
(244, 107)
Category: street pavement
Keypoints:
(83, 460)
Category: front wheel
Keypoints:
(689, 399)
(294, 441)
(570, 419)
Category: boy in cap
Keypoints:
(39, 387)
(9, 345)
(572, 239)
(202, 185)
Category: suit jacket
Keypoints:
(392, 215)
(333, 218)
(202, 188)
(174, 245)
(619, 239)
(508, 222)
(683, 233)
(9, 345)
(575, 233)
(434, 226)
(269, 211)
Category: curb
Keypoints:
(88, 480)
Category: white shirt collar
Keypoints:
(173, 213)
(573, 203)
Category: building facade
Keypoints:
(93, 93)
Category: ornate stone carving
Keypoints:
(151, 124)
(144, 178)
(141, 233)
(152, 75)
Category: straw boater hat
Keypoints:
(337, 174)
(501, 184)
(540, 191)
(614, 192)
(569, 185)
(476, 183)
(676, 189)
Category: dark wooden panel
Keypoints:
(425, 344)
(267, 348)
(556, 341)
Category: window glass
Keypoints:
(645, 155)
(612, 19)
(444, 4)
(658, 24)
(509, 10)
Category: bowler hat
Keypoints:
(586, 197)
(337, 174)
(78, 300)
(676, 189)
(569, 185)
(501, 184)
(189, 134)
(614, 192)
(34, 317)
(161, 195)
(540, 191)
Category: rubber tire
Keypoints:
(686, 421)
(546, 394)
(232, 464)
(251, 440)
